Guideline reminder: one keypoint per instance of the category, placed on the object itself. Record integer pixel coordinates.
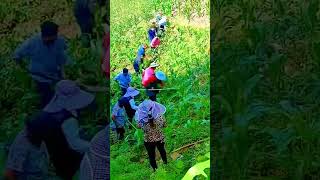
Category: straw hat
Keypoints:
(154, 64)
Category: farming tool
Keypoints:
(132, 125)
(168, 89)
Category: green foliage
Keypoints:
(182, 50)
(196, 170)
(266, 76)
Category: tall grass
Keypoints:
(266, 79)
(183, 49)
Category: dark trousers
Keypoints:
(65, 160)
(120, 132)
(152, 94)
(136, 67)
(45, 91)
(130, 115)
(86, 22)
(84, 19)
(153, 97)
(151, 149)
(123, 91)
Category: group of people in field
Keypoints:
(149, 115)
(52, 136)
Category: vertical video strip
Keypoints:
(55, 90)
(266, 89)
(160, 71)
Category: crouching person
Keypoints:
(119, 119)
(28, 158)
(57, 127)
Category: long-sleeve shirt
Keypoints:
(154, 134)
(141, 52)
(148, 76)
(27, 160)
(119, 114)
(46, 61)
(152, 32)
(70, 128)
(163, 21)
(133, 104)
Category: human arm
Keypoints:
(117, 77)
(23, 51)
(70, 129)
(115, 111)
(133, 104)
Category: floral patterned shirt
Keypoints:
(154, 134)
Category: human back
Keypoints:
(148, 76)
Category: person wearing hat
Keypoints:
(159, 16)
(127, 101)
(96, 162)
(150, 117)
(57, 126)
(156, 84)
(153, 80)
(47, 53)
(148, 74)
(139, 58)
(162, 23)
(119, 119)
(124, 80)
(152, 31)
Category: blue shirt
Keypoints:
(141, 52)
(151, 34)
(138, 60)
(119, 114)
(46, 61)
(124, 81)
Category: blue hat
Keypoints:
(161, 76)
(131, 92)
(68, 96)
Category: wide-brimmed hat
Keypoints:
(68, 96)
(161, 76)
(148, 107)
(131, 92)
(154, 64)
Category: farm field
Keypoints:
(266, 89)
(184, 57)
